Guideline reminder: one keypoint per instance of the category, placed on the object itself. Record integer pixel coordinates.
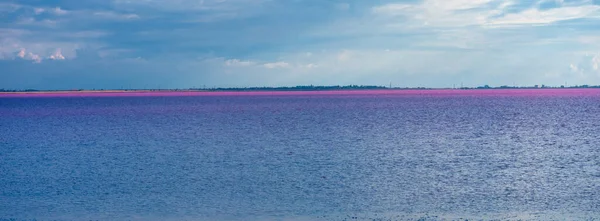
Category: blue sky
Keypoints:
(66, 44)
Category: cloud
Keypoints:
(489, 13)
(584, 66)
(279, 64)
(411, 43)
(596, 62)
(431, 8)
(455, 5)
(310, 66)
(46, 15)
(440, 12)
(38, 45)
(393, 9)
(57, 55)
(59, 11)
(23, 54)
(115, 15)
(55, 11)
(432, 68)
(298, 65)
(537, 16)
(236, 62)
(39, 10)
(36, 58)
(574, 68)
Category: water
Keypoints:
(286, 156)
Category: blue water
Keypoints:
(330, 157)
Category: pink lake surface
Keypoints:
(434, 92)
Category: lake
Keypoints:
(324, 155)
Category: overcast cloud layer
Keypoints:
(67, 44)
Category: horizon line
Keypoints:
(296, 88)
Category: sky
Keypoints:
(114, 44)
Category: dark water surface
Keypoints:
(328, 157)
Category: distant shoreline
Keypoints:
(301, 88)
(362, 92)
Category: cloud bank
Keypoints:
(67, 44)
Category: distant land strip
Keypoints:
(294, 88)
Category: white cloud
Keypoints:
(574, 68)
(115, 15)
(433, 68)
(310, 66)
(38, 45)
(489, 13)
(37, 52)
(584, 65)
(57, 55)
(279, 64)
(596, 62)
(299, 64)
(55, 11)
(441, 12)
(416, 43)
(21, 53)
(36, 58)
(453, 5)
(237, 62)
(59, 11)
(38, 11)
(536, 16)
(392, 9)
